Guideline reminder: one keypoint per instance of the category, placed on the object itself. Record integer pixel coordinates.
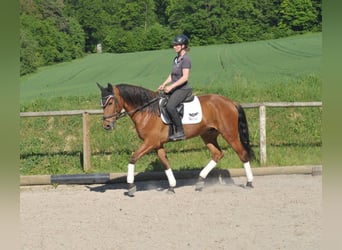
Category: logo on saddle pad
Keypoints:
(191, 111)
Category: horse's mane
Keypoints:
(139, 97)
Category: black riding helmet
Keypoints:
(180, 40)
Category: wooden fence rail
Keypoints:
(86, 123)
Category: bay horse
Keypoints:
(220, 116)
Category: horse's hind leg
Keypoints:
(210, 139)
(243, 155)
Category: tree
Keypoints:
(92, 18)
(297, 15)
(47, 36)
(29, 58)
(157, 37)
(317, 6)
(75, 38)
(160, 11)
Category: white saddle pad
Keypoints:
(192, 112)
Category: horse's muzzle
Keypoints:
(109, 126)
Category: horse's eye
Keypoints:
(110, 103)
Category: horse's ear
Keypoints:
(99, 86)
(110, 87)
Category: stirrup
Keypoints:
(177, 136)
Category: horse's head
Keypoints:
(110, 106)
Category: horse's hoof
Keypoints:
(171, 190)
(249, 184)
(132, 188)
(200, 184)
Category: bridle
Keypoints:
(105, 100)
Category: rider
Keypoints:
(176, 84)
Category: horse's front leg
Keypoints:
(210, 139)
(168, 171)
(143, 149)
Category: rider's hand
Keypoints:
(168, 89)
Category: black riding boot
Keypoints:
(178, 130)
(176, 126)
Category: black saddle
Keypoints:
(180, 108)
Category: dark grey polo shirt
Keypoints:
(177, 70)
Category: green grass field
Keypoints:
(266, 71)
(262, 62)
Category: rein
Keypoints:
(124, 113)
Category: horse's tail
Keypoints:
(243, 132)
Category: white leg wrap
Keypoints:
(170, 177)
(130, 174)
(205, 171)
(248, 171)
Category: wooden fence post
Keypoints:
(86, 141)
(262, 119)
